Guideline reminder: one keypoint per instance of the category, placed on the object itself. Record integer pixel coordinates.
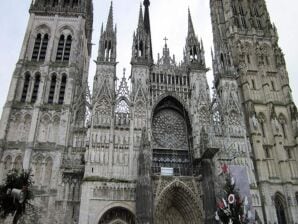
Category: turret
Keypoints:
(194, 51)
(108, 41)
(142, 45)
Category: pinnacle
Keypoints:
(146, 3)
(110, 18)
(190, 24)
(141, 19)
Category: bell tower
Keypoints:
(248, 58)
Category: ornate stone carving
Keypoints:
(169, 130)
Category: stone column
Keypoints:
(27, 157)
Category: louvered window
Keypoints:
(52, 89)
(62, 89)
(40, 47)
(25, 87)
(64, 47)
(35, 88)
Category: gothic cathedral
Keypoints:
(152, 153)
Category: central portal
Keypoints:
(177, 204)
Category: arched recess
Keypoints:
(139, 114)
(281, 208)
(171, 132)
(102, 112)
(117, 215)
(177, 204)
(48, 172)
(122, 111)
(18, 163)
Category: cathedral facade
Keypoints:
(151, 153)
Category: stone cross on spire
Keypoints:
(165, 39)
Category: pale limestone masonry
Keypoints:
(152, 153)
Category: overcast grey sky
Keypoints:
(168, 18)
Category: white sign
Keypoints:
(166, 171)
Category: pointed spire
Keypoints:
(147, 16)
(202, 45)
(110, 22)
(101, 31)
(190, 24)
(141, 19)
(123, 87)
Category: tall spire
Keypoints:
(142, 46)
(108, 40)
(147, 24)
(141, 19)
(190, 24)
(147, 16)
(194, 49)
(110, 21)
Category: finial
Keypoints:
(141, 19)
(124, 70)
(146, 3)
(166, 39)
(190, 24)
(110, 18)
(202, 45)
(101, 32)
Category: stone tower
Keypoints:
(151, 153)
(44, 116)
(249, 61)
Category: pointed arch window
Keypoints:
(60, 48)
(35, 88)
(64, 47)
(234, 9)
(108, 50)
(67, 48)
(25, 87)
(253, 84)
(280, 209)
(55, 3)
(75, 3)
(52, 89)
(7, 163)
(243, 22)
(18, 163)
(141, 49)
(241, 10)
(283, 123)
(40, 47)
(62, 89)
(66, 2)
(44, 47)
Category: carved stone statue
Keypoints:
(254, 122)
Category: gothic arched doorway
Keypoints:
(117, 215)
(171, 131)
(280, 207)
(177, 204)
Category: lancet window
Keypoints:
(40, 47)
(64, 47)
(25, 87)
(35, 88)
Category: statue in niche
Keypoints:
(254, 122)
(275, 125)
